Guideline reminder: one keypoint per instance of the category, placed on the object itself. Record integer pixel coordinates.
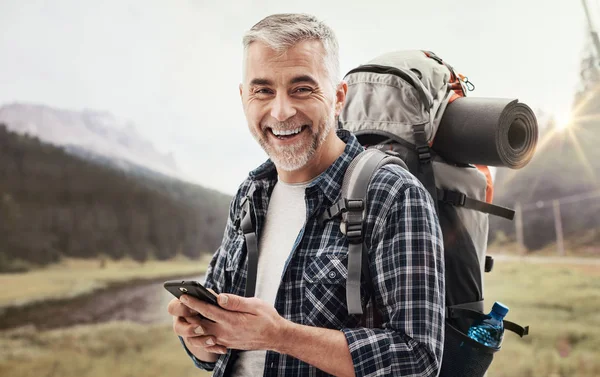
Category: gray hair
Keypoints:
(282, 31)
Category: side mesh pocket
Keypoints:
(463, 356)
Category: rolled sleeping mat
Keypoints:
(487, 131)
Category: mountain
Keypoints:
(97, 134)
(55, 204)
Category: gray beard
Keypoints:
(296, 156)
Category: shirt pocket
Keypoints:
(324, 303)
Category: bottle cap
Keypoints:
(500, 308)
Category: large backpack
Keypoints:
(394, 106)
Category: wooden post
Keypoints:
(558, 227)
(519, 228)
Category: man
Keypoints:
(297, 324)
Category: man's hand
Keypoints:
(251, 324)
(239, 323)
(185, 322)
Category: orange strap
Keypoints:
(489, 190)
(453, 97)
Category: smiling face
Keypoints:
(290, 105)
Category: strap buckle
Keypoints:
(352, 220)
(355, 205)
(454, 197)
(423, 150)
(424, 153)
(334, 210)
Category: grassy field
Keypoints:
(560, 303)
(116, 349)
(73, 277)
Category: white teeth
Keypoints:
(286, 133)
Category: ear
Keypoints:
(340, 97)
(241, 87)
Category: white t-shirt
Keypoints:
(285, 218)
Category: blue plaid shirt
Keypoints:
(402, 329)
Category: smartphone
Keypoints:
(192, 288)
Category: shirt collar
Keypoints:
(330, 181)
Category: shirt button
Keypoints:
(332, 274)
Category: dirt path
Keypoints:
(146, 302)
(143, 302)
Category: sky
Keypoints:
(173, 67)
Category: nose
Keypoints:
(282, 108)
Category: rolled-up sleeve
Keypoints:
(407, 268)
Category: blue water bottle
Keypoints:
(490, 331)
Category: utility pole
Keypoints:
(560, 246)
(590, 63)
(519, 228)
(593, 32)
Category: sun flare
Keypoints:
(563, 121)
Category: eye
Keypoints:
(262, 91)
(304, 90)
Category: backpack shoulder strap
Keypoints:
(425, 173)
(353, 206)
(246, 223)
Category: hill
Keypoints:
(54, 204)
